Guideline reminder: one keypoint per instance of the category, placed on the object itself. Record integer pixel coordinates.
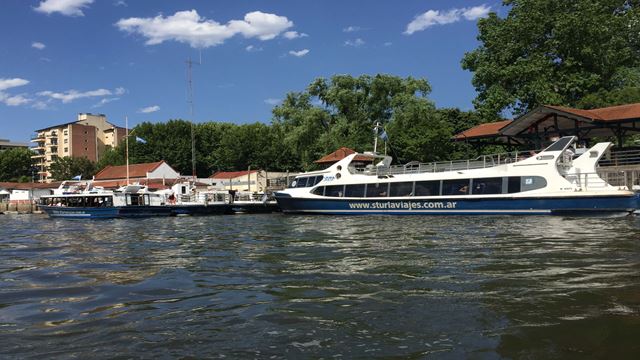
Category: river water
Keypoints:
(280, 286)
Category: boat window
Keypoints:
(455, 187)
(487, 186)
(318, 191)
(513, 184)
(355, 190)
(302, 182)
(401, 189)
(314, 180)
(427, 188)
(532, 183)
(334, 190)
(377, 190)
(560, 144)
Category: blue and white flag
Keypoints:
(383, 135)
(77, 177)
(141, 140)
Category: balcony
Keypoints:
(38, 138)
(38, 156)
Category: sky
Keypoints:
(128, 58)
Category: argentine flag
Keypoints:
(141, 140)
(77, 177)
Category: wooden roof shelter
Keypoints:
(547, 121)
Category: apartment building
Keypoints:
(89, 136)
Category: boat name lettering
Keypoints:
(329, 178)
(404, 205)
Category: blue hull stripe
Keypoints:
(458, 206)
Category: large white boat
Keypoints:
(553, 181)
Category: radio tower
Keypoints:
(193, 132)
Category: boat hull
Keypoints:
(570, 205)
(105, 212)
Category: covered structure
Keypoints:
(340, 154)
(536, 127)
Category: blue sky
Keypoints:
(128, 58)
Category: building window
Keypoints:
(86, 132)
(66, 150)
(66, 132)
(66, 141)
(85, 149)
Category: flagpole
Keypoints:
(126, 122)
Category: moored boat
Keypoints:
(81, 200)
(551, 182)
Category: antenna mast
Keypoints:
(193, 133)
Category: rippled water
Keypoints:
(262, 286)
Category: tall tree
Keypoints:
(343, 110)
(65, 168)
(15, 165)
(553, 52)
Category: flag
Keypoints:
(141, 140)
(77, 177)
(383, 135)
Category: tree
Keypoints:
(112, 157)
(15, 164)
(553, 52)
(342, 112)
(65, 168)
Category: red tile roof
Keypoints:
(340, 154)
(27, 186)
(231, 174)
(120, 172)
(611, 113)
(482, 130)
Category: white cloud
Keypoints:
(299, 53)
(120, 91)
(38, 45)
(12, 100)
(294, 35)
(272, 101)
(190, 28)
(388, 43)
(11, 83)
(105, 101)
(149, 109)
(64, 7)
(352, 29)
(355, 43)
(120, 3)
(72, 95)
(437, 17)
(15, 100)
(252, 48)
(40, 105)
(476, 12)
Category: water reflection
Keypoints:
(319, 286)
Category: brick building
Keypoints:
(89, 136)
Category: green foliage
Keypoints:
(111, 157)
(308, 125)
(555, 52)
(343, 110)
(15, 165)
(65, 168)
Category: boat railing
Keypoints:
(483, 161)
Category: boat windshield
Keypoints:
(78, 201)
